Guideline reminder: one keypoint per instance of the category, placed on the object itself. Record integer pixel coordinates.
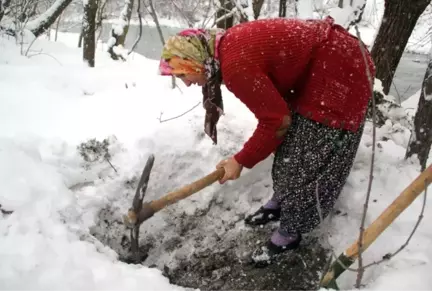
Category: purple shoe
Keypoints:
(266, 254)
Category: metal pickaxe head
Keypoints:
(134, 216)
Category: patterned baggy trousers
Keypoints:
(313, 161)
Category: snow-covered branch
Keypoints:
(45, 20)
(225, 16)
(119, 32)
(350, 14)
(240, 9)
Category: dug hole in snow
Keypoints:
(65, 230)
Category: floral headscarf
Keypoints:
(194, 51)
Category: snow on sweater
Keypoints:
(312, 67)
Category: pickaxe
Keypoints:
(141, 211)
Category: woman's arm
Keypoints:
(258, 93)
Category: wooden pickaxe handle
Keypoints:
(187, 190)
(148, 209)
(377, 227)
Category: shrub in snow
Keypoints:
(95, 152)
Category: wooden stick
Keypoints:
(187, 190)
(148, 209)
(377, 227)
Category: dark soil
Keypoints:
(223, 269)
(224, 264)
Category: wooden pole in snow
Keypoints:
(347, 258)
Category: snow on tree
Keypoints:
(398, 22)
(348, 12)
(39, 25)
(119, 32)
(421, 136)
(89, 31)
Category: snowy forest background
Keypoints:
(62, 175)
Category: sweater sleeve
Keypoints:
(258, 93)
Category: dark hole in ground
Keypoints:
(194, 256)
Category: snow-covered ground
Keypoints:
(50, 103)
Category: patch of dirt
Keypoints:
(222, 268)
(215, 260)
(202, 242)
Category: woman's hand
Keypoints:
(232, 169)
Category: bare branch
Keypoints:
(45, 54)
(109, 162)
(366, 204)
(140, 27)
(225, 16)
(206, 18)
(420, 218)
(165, 120)
(243, 14)
(31, 44)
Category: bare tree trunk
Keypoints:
(89, 32)
(421, 137)
(341, 4)
(399, 20)
(226, 7)
(39, 25)
(282, 8)
(119, 32)
(256, 7)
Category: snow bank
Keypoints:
(51, 102)
(43, 243)
(46, 108)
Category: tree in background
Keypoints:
(399, 19)
(421, 136)
(256, 7)
(100, 16)
(89, 32)
(282, 8)
(225, 14)
(24, 14)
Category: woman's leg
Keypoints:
(310, 166)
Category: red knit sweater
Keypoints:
(275, 66)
